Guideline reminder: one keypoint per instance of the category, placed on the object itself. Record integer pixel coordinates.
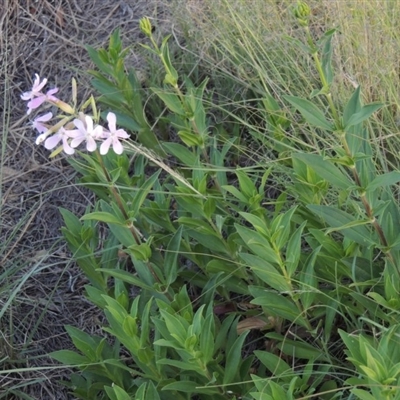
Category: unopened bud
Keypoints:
(145, 26)
(64, 107)
(74, 91)
(302, 12)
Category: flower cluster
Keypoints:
(74, 129)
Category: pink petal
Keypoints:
(105, 134)
(37, 87)
(112, 119)
(77, 141)
(50, 93)
(74, 133)
(117, 146)
(121, 134)
(89, 123)
(39, 127)
(52, 141)
(27, 96)
(105, 146)
(80, 125)
(98, 132)
(36, 102)
(37, 122)
(44, 118)
(67, 148)
(37, 80)
(90, 144)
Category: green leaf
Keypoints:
(177, 327)
(383, 180)
(336, 218)
(108, 90)
(309, 282)
(190, 139)
(352, 343)
(362, 394)
(246, 185)
(293, 250)
(237, 193)
(327, 58)
(184, 366)
(171, 257)
(325, 169)
(275, 364)
(142, 193)
(71, 221)
(279, 305)
(94, 56)
(69, 357)
(126, 277)
(171, 100)
(103, 217)
(184, 155)
(83, 342)
(311, 113)
(171, 72)
(182, 386)
(280, 228)
(116, 393)
(258, 244)
(233, 359)
(147, 391)
(353, 106)
(266, 272)
(140, 252)
(363, 114)
(207, 337)
(297, 348)
(198, 225)
(258, 223)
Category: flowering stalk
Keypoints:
(82, 128)
(171, 78)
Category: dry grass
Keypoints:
(40, 289)
(246, 41)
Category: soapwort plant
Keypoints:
(195, 268)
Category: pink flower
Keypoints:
(37, 122)
(112, 136)
(36, 88)
(41, 98)
(62, 135)
(36, 97)
(86, 132)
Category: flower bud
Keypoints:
(302, 12)
(64, 107)
(145, 26)
(74, 91)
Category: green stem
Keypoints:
(325, 84)
(292, 289)
(342, 134)
(182, 99)
(120, 204)
(118, 199)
